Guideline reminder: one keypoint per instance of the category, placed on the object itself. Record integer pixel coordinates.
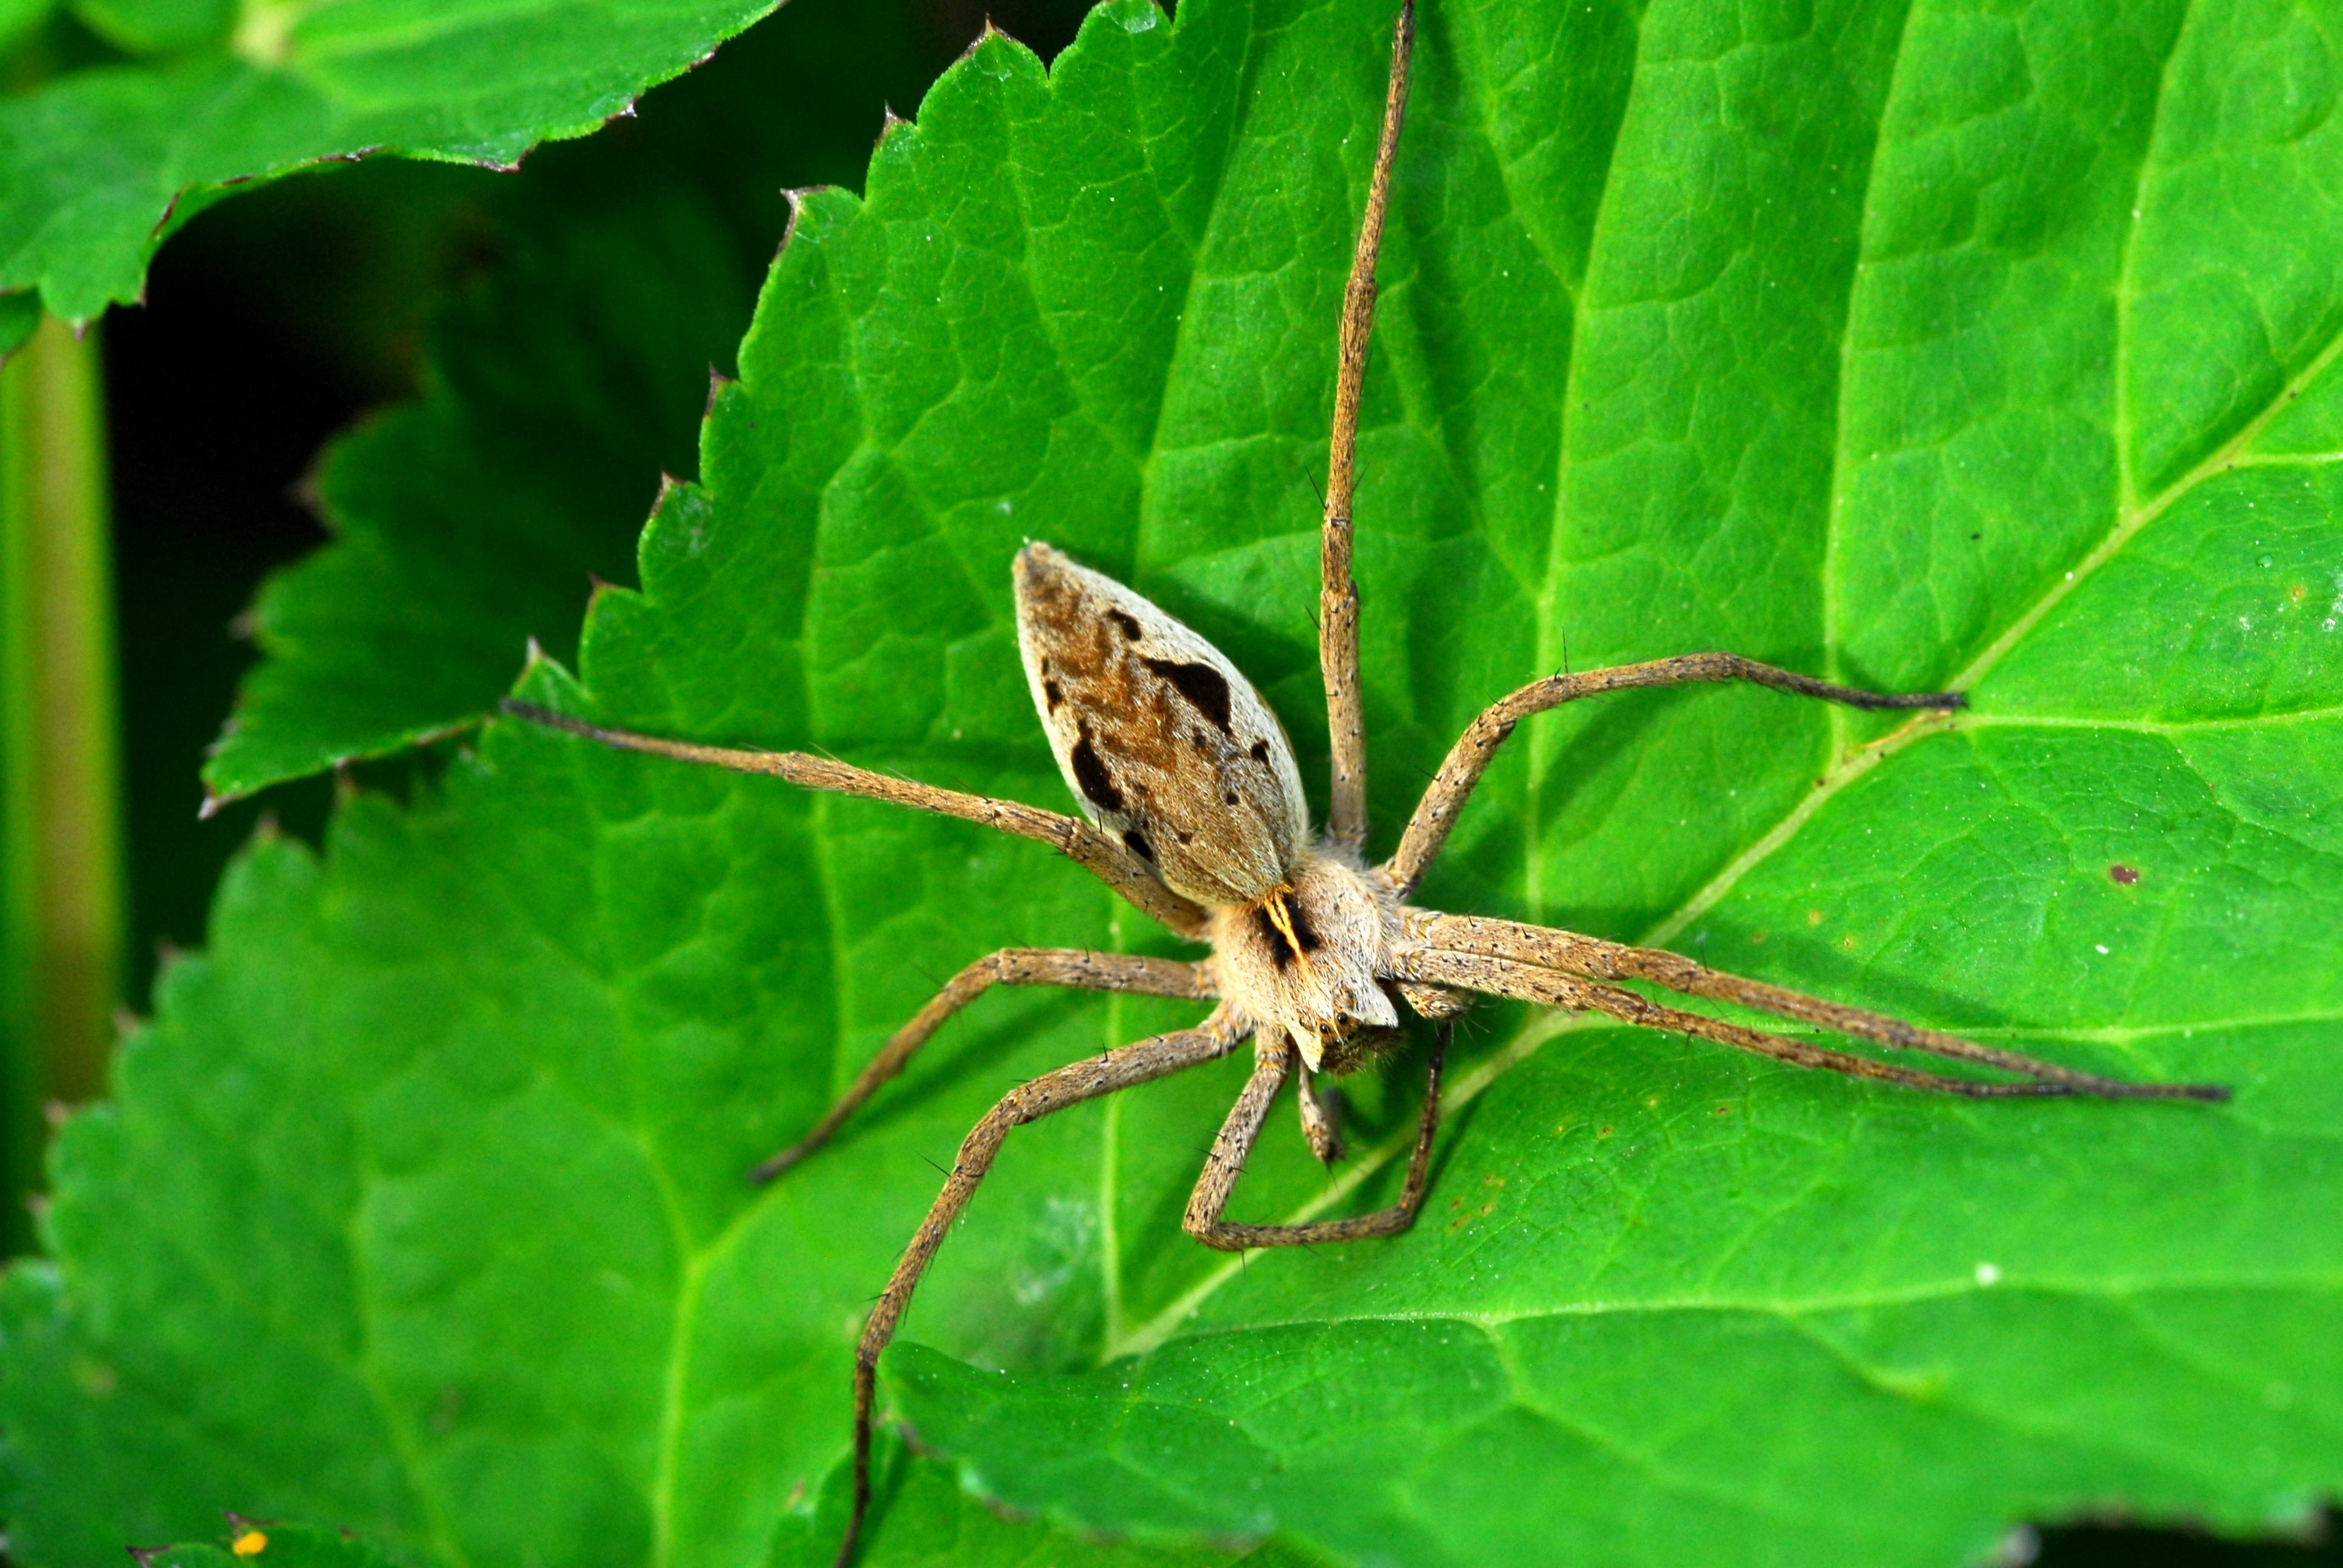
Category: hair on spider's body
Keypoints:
(1170, 749)
(1193, 812)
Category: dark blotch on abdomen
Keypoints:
(1206, 688)
(1091, 773)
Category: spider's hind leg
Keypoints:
(1070, 966)
(1159, 1056)
(1556, 969)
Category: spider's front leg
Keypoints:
(1158, 1057)
(1115, 864)
(1272, 1059)
(1338, 596)
(1073, 967)
(1435, 814)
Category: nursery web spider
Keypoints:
(1196, 814)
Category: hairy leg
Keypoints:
(1070, 967)
(1133, 1064)
(1597, 959)
(1234, 1145)
(1318, 1129)
(1427, 830)
(1338, 596)
(1096, 853)
(1527, 982)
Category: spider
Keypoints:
(1194, 812)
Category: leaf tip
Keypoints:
(797, 196)
(991, 31)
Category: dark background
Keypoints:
(281, 317)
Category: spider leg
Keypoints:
(1338, 596)
(1102, 857)
(1070, 967)
(1153, 1058)
(1318, 1129)
(1597, 959)
(1527, 982)
(1427, 830)
(1234, 1145)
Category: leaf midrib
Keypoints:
(2051, 1286)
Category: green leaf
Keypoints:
(154, 27)
(482, 513)
(475, 518)
(20, 316)
(18, 18)
(1818, 336)
(98, 166)
(280, 1546)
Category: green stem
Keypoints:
(61, 899)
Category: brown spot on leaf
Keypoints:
(2123, 876)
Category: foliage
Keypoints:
(1924, 349)
(474, 519)
(279, 1546)
(97, 165)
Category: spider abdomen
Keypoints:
(1165, 744)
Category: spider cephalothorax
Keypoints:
(1196, 815)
